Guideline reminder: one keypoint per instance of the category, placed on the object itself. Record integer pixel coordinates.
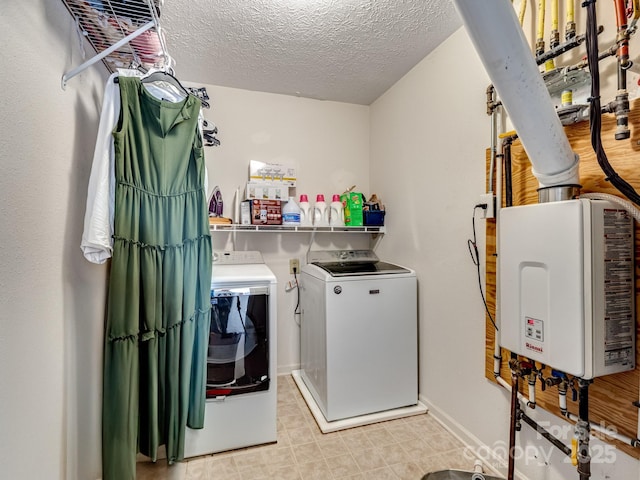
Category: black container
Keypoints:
(373, 218)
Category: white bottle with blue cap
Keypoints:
(291, 213)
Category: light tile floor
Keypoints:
(403, 449)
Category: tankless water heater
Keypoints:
(566, 286)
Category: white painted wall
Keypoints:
(328, 143)
(426, 142)
(51, 299)
(429, 133)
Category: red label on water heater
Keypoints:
(534, 348)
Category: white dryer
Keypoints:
(359, 333)
(241, 364)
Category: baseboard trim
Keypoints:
(287, 369)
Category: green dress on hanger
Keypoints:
(158, 307)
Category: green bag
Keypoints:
(352, 203)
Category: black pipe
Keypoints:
(558, 50)
(622, 98)
(508, 179)
(610, 52)
(622, 113)
(595, 108)
(622, 102)
(583, 399)
(541, 430)
(622, 77)
(512, 425)
(582, 429)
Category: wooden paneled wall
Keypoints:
(611, 397)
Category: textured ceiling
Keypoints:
(342, 50)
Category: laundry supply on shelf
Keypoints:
(320, 213)
(305, 211)
(352, 203)
(336, 212)
(291, 213)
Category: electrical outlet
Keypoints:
(487, 199)
(294, 264)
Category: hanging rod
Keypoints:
(72, 73)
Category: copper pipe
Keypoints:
(623, 36)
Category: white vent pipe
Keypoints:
(501, 45)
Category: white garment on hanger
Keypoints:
(97, 242)
(97, 236)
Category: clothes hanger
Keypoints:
(202, 94)
(165, 76)
(166, 73)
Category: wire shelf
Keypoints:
(228, 227)
(106, 22)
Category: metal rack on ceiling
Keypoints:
(124, 33)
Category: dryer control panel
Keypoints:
(233, 257)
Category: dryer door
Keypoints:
(238, 354)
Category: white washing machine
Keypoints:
(359, 333)
(241, 364)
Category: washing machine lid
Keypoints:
(343, 263)
(350, 269)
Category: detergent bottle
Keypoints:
(320, 212)
(305, 211)
(336, 212)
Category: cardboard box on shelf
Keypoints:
(265, 212)
(275, 173)
(266, 191)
